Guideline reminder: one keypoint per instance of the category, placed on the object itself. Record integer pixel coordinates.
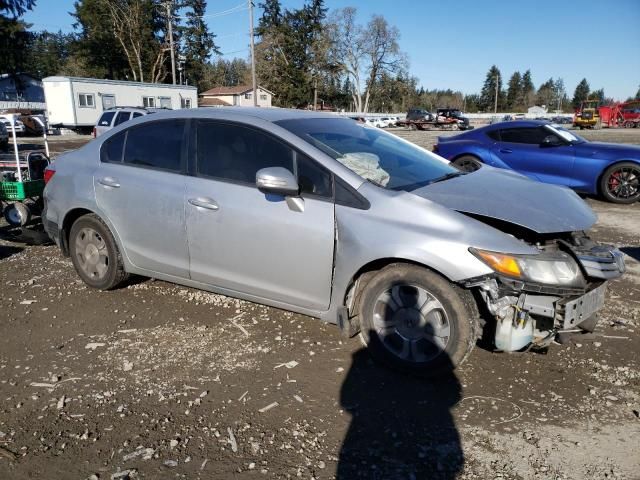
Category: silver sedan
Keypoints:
(321, 215)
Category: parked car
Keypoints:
(550, 154)
(115, 116)
(320, 215)
(375, 122)
(4, 137)
(420, 114)
(18, 125)
(562, 120)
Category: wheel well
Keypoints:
(69, 220)
(467, 155)
(617, 162)
(366, 272)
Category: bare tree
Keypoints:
(130, 20)
(364, 54)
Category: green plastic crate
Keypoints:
(21, 190)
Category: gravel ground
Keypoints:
(160, 381)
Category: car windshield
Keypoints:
(374, 155)
(565, 134)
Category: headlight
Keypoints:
(550, 269)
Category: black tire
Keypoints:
(456, 314)
(467, 163)
(17, 214)
(107, 273)
(627, 193)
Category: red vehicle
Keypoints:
(621, 114)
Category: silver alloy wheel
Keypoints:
(411, 323)
(92, 254)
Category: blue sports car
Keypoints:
(551, 154)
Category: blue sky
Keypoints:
(452, 44)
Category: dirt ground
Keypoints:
(156, 380)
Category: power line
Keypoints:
(238, 8)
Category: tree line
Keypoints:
(306, 56)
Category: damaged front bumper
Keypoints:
(532, 314)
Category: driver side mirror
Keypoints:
(277, 180)
(550, 141)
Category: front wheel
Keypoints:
(620, 183)
(413, 319)
(95, 254)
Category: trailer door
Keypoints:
(108, 101)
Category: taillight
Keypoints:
(49, 172)
(94, 132)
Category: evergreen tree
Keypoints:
(271, 17)
(198, 42)
(514, 91)
(488, 93)
(97, 53)
(581, 93)
(546, 94)
(14, 37)
(528, 90)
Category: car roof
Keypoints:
(268, 114)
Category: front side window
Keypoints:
(86, 100)
(149, 102)
(156, 145)
(313, 178)
(105, 119)
(234, 152)
(121, 118)
(374, 155)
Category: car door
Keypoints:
(247, 241)
(522, 149)
(140, 187)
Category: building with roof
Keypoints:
(240, 95)
(21, 91)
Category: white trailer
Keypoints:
(77, 103)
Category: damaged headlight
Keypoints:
(558, 268)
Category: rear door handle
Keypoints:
(204, 203)
(109, 182)
(505, 150)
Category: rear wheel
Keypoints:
(413, 319)
(620, 183)
(467, 163)
(95, 254)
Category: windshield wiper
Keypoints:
(446, 177)
(424, 183)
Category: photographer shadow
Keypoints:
(401, 426)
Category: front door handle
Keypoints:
(109, 182)
(505, 150)
(204, 202)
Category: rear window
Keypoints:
(105, 119)
(156, 145)
(111, 151)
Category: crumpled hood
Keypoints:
(510, 197)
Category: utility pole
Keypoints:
(495, 106)
(170, 28)
(253, 57)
